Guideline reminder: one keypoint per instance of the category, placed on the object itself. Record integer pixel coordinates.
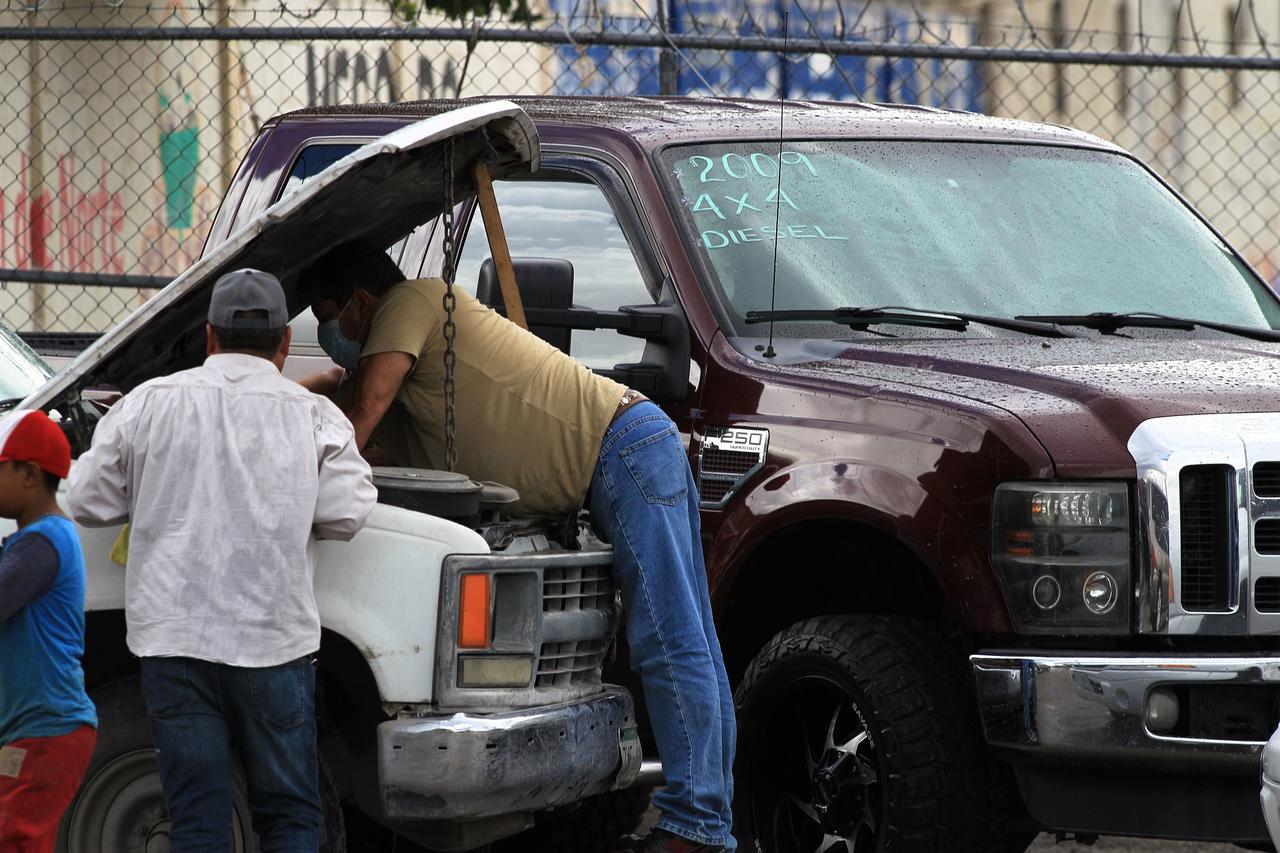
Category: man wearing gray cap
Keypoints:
(228, 474)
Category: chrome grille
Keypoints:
(1266, 595)
(1207, 546)
(570, 664)
(1206, 542)
(1266, 479)
(577, 588)
(1266, 536)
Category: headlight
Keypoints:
(495, 671)
(1062, 552)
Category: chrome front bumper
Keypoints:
(1271, 787)
(468, 766)
(1074, 730)
(1094, 707)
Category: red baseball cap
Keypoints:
(27, 435)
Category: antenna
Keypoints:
(769, 352)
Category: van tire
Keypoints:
(862, 727)
(120, 800)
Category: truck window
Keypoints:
(312, 160)
(570, 220)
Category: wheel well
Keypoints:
(106, 656)
(349, 709)
(823, 568)
(347, 685)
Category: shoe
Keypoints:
(661, 841)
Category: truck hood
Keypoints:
(379, 192)
(1082, 398)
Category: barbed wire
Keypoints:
(142, 109)
(1026, 28)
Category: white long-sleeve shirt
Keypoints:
(228, 474)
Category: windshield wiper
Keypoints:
(10, 402)
(1107, 323)
(861, 318)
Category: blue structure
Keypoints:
(602, 70)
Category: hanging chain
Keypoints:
(450, 303)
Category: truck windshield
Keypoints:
(992, 229)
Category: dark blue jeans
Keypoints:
(205, 714)
(643, 500)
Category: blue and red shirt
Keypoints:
(42, 641)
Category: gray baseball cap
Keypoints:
(248, 290)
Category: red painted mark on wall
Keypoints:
(68, 229)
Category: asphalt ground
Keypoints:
(1046, 843)
(1050, 844)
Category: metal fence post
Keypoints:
(668, 64)
(38, 203)
(227, 148)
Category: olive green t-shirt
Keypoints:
(528, 415)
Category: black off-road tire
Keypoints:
(860, 727)
(120, 802)
(594, 826)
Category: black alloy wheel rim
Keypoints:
(815, 773)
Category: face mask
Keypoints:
(344, 351)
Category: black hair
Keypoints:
(260, 342)
(51, 481)
(347, 266)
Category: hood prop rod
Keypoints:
(498, 246)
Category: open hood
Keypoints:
(379, 192)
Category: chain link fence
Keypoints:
(122, 121)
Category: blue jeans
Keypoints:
(643, 500)
(204, 714)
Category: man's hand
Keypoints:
(325, 383)
(377, 383)
(377, 457)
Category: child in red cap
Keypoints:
(47, 722)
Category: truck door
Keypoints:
(579, 209)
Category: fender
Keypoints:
(380, 591)
(927, 523)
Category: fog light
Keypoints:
(1100, 593)
(1046, 592)
(495, 671)
(1162, 711)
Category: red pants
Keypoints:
(38, 778)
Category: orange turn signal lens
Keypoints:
(1020, 542)
(473, 621)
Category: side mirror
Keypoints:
(545, 284)
(662, 374)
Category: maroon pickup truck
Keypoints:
(986, 424)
